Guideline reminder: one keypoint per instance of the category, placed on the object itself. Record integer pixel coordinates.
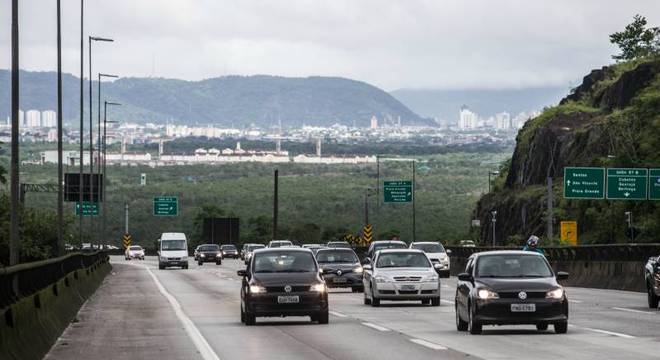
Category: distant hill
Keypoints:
(225, 101)
(445, 104)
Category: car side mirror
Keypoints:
(366, 261)
(448, 252)
(366, 267)
(241, 273)
(464, 277)
(562, 275)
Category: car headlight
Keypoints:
(319, 288)
(257, 289)
(433, 277)
(487, 294)
(163, 258)
(218, 255)
(358, 270)
(202, 255)
(381, 279)
(557, 293)
(184, 258)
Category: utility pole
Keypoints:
(60, 176)
(629, 220)
(14, 241)
(275, 203)
(414, 187)
(493, 221)
(126, 218)
(550, 205)
(366, 207)
(82, 123)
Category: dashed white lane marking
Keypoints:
(575, 301)
(633, 310)
(338, 314)
(447, 301)
(200, 342)
(375, 327)
(428, 344)
(625, 336)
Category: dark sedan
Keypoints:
(283, 282)
(652, 279)
(229, 251)
(341, 268)
(209, 253)
(510, 288)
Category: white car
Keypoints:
(401, 274)
(173, 250)
(134, 252)
(437, 254)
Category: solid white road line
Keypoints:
(625, 336)
(201, 344)
(634, 311)
(428, 344)
(575, 301)
(338, 314)
(375, 327)
(447, 301)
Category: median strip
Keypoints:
(428, 344)
(375, 327)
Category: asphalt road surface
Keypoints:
(140, 312)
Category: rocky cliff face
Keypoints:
(611, 119)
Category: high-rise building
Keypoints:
(374, 122)
(467, 119)
(33, 118)
(503, 121)
(49, 119)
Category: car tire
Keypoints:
(242, 315)
(161, 267)
(460, 324)
(200, 263)
(250, 319)
(375, 302)
(218, 262)
(474, 327)
(435, 301)
(357, 289)
(367, 301)
(185, 267)
(561, 327)
(651, 296)
(426, 301)
(322, 318)
(542, 327)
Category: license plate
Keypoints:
(523, 307)
(288, 299)
(339, 280)
(408, 287)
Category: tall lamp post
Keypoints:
(105, 174)
(494, 173)
(91, 121)
(493, 221)
(629, 220)
(98, 153)
(60, 175)
(14, 242)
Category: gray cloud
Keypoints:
(391, 44)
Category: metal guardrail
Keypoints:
(22, 280)
(608, 252)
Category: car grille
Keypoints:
(407, 278)
(280, 289)
(173, 259)
(530, 295)
(387, 292)
(428, 291)
(408, 292)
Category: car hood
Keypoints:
(517, 284)
(436, 255)
(405, 271)
(281, 279)
(174, 253)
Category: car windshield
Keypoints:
(173, 245)
(402, 259)
(255, 247)
(340, 244)
(512, 266)
(136, 248)
(275, 244)
(228, 247)
(384, 246)
(336, 257)
(284, 262)
(209, 248)
(429, 248)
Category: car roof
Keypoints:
(208, 245)
(280, 249)
(506, 252)
(386, 251)
(172, 236)
(425, 242)
(336, 249)
(387, 242)
(338, 242)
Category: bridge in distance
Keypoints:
(140, 312)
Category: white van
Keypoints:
(172, 250)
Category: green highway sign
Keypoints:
(584, 183)
(397, 191)
(627, 184)
(166, 206)
(654, 184)
(88, 208)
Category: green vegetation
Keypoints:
(636, 40)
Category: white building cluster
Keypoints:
(35, 119)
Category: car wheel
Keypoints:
(426, 301)
(367, 301)
(460, 324)
(652, 297)
(200, 263)
(250, 319)
(561, 327)
(322, 318)
(474, 327)
(161, 267)
(242, 315)
(357, 289)
(185, 267)
(435, 301)
(542, 327)
(375, 302)
(218, 262)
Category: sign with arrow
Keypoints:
(584, 183)
(126, 240)
(367, 234)
(166, 206)
(627, 184)
(397, 191)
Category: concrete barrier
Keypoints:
(32, 324)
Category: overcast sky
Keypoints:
(391, 44)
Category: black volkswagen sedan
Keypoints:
(283, 282)
(209, 253)
(341, 268)
(510, 288)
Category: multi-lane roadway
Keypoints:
(140, 312)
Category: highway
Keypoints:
(140, 312)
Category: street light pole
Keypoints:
(629, 220)
(493, 222)
(14, 241)
(82, 123)
(98, 153)
(60, 176)
(494, 173)
(105, 174)
(414, 186)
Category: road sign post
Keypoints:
(88, 208)
(584, 183)
(397, 191)
(654, 184)
(166, 206)
(126, 240)
(627, 184)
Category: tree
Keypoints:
(636, 40)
